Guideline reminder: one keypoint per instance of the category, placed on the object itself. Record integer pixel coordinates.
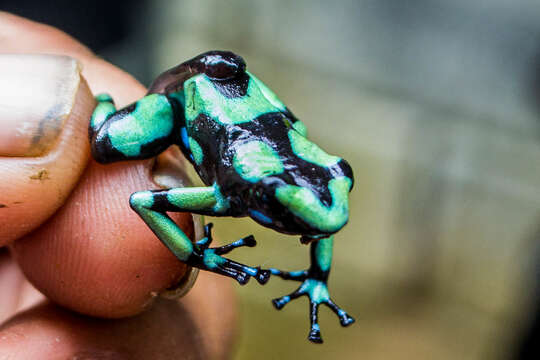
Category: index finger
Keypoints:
(95, 256)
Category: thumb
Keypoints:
(45, 105)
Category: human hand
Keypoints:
(68, 223)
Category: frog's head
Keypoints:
(216, 65)
(218, 85)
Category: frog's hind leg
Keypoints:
(152, 207)
(314, 286)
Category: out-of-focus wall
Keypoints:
(434, 105)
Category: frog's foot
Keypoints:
(210, 259)
(317, 291)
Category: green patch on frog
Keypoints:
(266, 159)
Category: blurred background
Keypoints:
(436, 105)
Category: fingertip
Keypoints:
(32, 188)
(49, 151)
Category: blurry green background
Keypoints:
(432, 103)
(435, 105)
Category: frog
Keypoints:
(254, 158)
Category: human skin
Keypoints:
(96, 260)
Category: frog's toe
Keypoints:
(248, 241)
(315, 331)
(290, 275)
(262, 276)
(239, 276)
(280, 302)
(242, 278)
(259, 274)
(315, 334)
(344, 318)
(205, 242)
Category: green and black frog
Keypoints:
(253, 155)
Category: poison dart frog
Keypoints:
(252, 154)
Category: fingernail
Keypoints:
(183, 286)
(37, 93)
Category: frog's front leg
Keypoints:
(314, 285)
(152, 207)
(138, 131)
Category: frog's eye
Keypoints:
(217, 65)
(220, 65)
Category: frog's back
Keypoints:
(269, 149)
(220, 114)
